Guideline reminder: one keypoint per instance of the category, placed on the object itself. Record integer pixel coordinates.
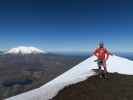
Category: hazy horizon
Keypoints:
(69, 52)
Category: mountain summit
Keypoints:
(25, 50)
(78, 73)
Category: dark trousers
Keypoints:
(101, 64)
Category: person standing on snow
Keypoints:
(102, 55)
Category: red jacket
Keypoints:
(101, 53)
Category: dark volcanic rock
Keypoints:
(117, 87)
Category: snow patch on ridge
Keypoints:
(120, 65)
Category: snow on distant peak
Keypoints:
(25, 50)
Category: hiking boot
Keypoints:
(105, 76)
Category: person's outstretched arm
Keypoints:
(107, 54)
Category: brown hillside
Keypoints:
(117, 87)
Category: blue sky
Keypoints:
(67, 25)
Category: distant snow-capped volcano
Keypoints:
(25, 50)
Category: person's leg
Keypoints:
(99, 68)
(105, 69)
(104, 66)
(99, 65)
